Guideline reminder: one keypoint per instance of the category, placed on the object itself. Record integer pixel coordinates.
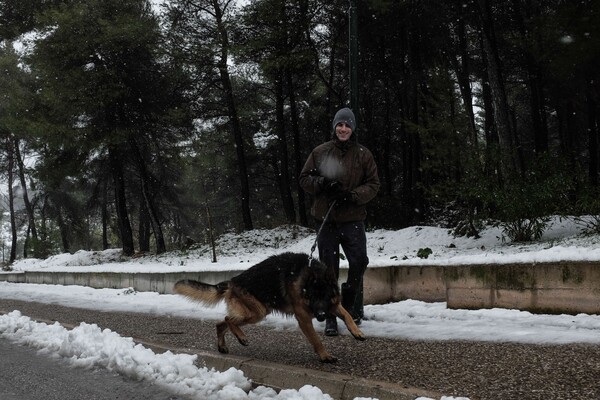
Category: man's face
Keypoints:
(343, 131)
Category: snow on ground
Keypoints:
(88, 346)
(563, 240)
(409, 319)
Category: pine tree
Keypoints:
(111, 99)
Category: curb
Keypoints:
(277, 376)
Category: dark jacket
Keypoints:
(349, 163)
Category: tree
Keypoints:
(16, 154)
(462, 102)
(268, 22)
(509, 162)
(16, 89)
(11, 205)
(100, 72)
(201, 29)
(19, 16)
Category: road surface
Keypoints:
(479, 370)
(27, 375)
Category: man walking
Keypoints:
(344, 172)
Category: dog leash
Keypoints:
(314, 246)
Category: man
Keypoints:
(344, 172)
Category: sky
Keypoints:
(89, 346)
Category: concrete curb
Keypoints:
(277, 376)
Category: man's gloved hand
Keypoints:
(331, 187)
(344, 197)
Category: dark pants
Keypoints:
(352, 238)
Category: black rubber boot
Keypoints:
(352, 302)
(348, 299)
(359, 310)
(331, 327)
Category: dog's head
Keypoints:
(321, 291)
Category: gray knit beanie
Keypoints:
(345, 115)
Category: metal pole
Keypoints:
(353, 58)
(354, 105)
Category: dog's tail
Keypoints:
(205, 293)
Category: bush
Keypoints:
(525, 230)
(524, 204)
(588, 204)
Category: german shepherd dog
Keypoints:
(284, 283)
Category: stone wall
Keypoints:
(565, 287)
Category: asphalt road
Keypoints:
(455, 368)
(27, 375)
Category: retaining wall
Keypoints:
(565, 287)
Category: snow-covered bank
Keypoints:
(562, 241)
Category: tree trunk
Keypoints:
(509, 163)
(152, 218)
(386, 159)
(11, 200)
(284, 176)
(592, 104)
(64, 232)
(148, 214)
(534, 76)
(144, 229)
(298, 162)
(413, 150)
(234, 120)
(492, 167)
(462, 69)
(104, 216)
(123, 223)
(28, 205)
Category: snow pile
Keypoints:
(80, 258)
(88, 346)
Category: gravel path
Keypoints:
(456, 368)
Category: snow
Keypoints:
(88, 346)
(563, 240)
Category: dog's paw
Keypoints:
(328, 358)
(243, 341)
(223, 349)
(360, 336)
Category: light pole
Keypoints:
(354, 105)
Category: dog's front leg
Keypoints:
(350, 324)
(305, 322)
